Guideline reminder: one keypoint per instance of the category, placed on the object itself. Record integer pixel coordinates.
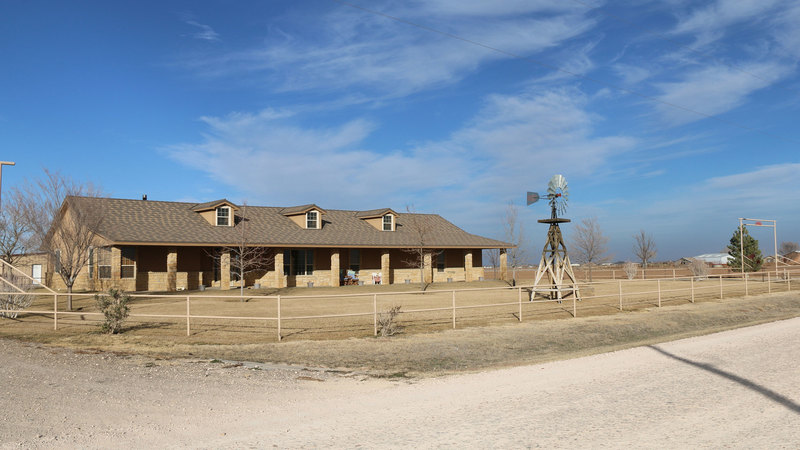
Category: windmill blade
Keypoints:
(559, 182)
(533, 197)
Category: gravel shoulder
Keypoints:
(738, 388)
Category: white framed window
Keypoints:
(298, 262)
(103, 255)
(312, 220)
(57, 260)
(91, 263)
(440, 261)
(127, 267)
(355, 259)
(388, 222)
(224, 216)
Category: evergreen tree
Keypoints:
(752, 254)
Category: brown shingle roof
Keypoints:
(374, 213)
(301, 209)
(156, 222)
(211, 205)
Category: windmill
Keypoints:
(554, 277)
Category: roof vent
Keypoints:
(144, 197)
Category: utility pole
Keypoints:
(4, 163)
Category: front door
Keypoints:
(36, 273)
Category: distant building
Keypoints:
(715, 259)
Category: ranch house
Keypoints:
(143, 245)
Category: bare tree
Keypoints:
(589, 244)
(61, 222)
(630, 269)
(644, 248)
(421, 229)
(515, 234)
(246, 257)
(15, 233)
(788, 247)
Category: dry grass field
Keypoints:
(223, 318)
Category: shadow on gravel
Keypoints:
(770, 394)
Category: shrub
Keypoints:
(630, 270)
(387, 322)
(115, 309)
(15, 302)
(699, 268)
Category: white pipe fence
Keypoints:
(625, 298)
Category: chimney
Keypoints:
(144, 197)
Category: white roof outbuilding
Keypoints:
(715, 258)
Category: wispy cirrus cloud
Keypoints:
(205, 32)
(723, 13)
(354, 49)
(714, 90)
(515, 140)
(767, 191)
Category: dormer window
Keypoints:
(224, 216)
(312, 220)
(388, 222)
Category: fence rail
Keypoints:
(620, 294)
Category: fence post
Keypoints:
(658, 284)
(691, 279)
(613, 274)
(673, 274)
(574, 306)
(519, 296)
(375, 314)
(620, 295)
(279, 318)
(745, 285)
(55, 311)
(769, 284)
(454, 309)
(789, 281)
(188, 313)
(720, 287)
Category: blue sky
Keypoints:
(676, 117)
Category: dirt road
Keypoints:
(739, 388)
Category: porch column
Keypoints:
(468, 265)
(503, 264)
(278, 283)
(335, 267)
(172, 269)
(386, 268)
(427, 267)
(116, 263)
(225, 270)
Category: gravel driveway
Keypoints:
(738, 388)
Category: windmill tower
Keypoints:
(554, 277)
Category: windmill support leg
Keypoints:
(554, 274)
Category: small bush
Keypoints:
(115, 309)
(15, 302)
(630, 270)
(387, 322)
(699, 268)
